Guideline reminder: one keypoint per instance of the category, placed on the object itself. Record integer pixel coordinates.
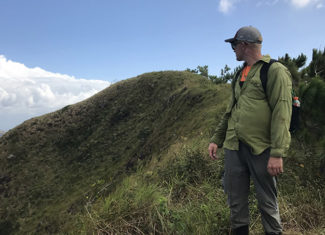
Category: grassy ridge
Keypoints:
(51, 164)
(132, 160)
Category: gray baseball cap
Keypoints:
(247, 34)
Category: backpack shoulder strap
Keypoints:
(263, 73)
(236, 78)
(233, 84)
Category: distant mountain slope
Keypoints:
(49, 165)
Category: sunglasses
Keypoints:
(234, 44)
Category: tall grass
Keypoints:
(186, 197)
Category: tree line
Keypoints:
(315, 69)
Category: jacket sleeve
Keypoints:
(220, 132)
(279, 87)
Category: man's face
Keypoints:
(238, 48)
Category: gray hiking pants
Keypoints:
(240, 166)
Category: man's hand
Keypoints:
(213, 151)
(275, 166)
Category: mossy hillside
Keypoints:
(51, 165)
(133, 160)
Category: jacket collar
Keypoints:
(266, 58)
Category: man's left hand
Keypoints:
(275, 166)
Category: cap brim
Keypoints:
(230, 40)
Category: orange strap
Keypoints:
(245, 73)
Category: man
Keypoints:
(254, 132)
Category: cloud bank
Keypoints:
(28, 92)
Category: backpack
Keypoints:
(294, 123)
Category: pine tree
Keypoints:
(293, 65)
(317, 65)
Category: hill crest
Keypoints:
(49, 162)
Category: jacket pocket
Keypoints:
(254, 90)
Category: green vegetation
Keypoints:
(133, 160)
(226, 75)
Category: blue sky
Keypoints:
(104, 41)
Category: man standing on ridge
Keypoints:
(254, 132)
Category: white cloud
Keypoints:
(267, 3)
(300, 3)
(304, 3)
(27, 92)
(225, 5)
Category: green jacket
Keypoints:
(257, 119)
